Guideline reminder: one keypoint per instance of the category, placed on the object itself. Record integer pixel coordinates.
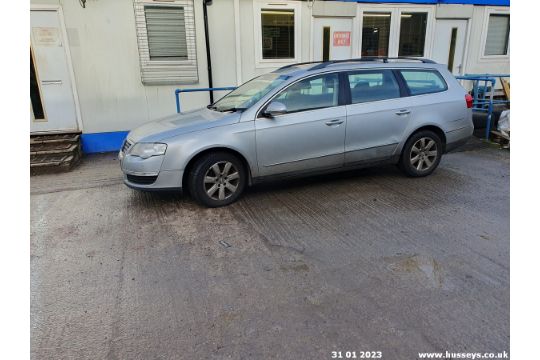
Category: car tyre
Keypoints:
(421, 154)
(217, 179)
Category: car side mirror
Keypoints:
(275, 108)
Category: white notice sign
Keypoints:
(46, 36)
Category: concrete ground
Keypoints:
(363, 261)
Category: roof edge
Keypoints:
(432, 2)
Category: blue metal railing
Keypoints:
(178, 91)
(481, 100)
(491, 75)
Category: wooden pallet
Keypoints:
(500, 138)
(506, 88)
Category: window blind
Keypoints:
(166, 31)
(166, 40)
(497, 36)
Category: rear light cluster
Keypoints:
(469, 101)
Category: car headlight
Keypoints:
(146, 150)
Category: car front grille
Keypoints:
(143, 180)
(126, 146)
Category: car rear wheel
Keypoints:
(421, 154)
(217, 179)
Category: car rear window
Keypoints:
(373, 85)
(424, 81)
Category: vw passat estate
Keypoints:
(300, 120)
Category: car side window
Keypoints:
(373, 85)
(423, 81)
(312, 93)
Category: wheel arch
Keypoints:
(206, 151)
(436, 129)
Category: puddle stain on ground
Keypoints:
(485, 236)
(226, 318)
(420, 266)
(295, 267)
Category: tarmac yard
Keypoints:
(368, 260)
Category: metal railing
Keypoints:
(483, 94)
(178, 91)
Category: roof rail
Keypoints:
(323, 64)
(384, 59)
(296, 64)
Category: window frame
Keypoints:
(343, 96)
(427, 37)
(174, 67)
(403, 89)
(485, 28)
(258, 7)
(408, 90)
(372, 12)
(395, 25)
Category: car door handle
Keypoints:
(403, 112)
(334, 122)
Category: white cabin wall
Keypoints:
(222, 46)
(476, 62)
(248, 41)
(105, 57)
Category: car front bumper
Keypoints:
(146, 174)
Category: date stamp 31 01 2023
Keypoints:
(356, 354)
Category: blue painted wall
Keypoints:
(467, 2)
(102, 142)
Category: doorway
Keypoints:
(52, 95)
(449, 46)
(332, 38)
(37, 111)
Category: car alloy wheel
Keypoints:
(423, 154)
(221, 180)
(217, 179)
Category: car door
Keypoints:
(310, 134)
(376, 117)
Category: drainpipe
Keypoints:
(238, 49)
(207, 41)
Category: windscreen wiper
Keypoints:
(233, 109)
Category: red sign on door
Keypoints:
(342, 38)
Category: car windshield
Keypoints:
(249, 93)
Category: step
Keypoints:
(53, 148)
(47, 164)
(56, 152)
(57, 138)
(51, 160)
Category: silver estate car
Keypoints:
(300, 120)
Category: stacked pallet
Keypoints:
(54, 152)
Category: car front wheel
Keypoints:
(421, 154)
(217, 179)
